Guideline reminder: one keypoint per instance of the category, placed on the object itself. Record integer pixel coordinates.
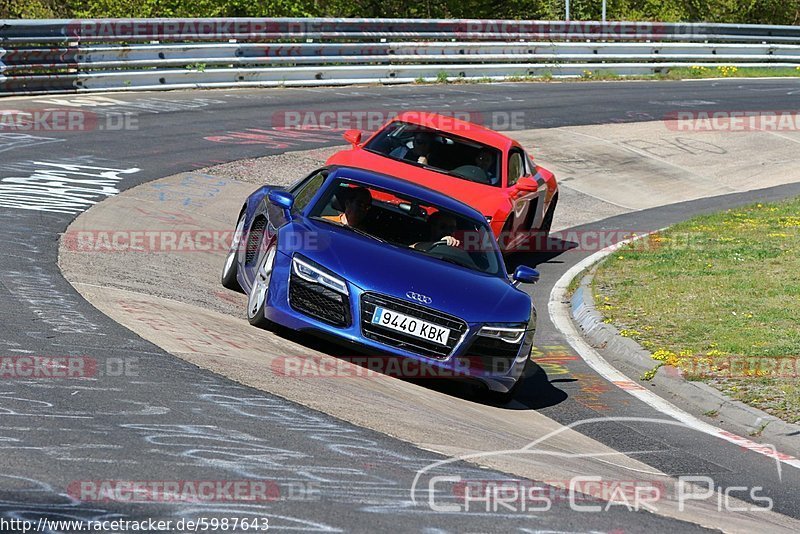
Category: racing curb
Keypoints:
(627, 356)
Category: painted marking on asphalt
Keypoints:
(62, 186)
(628, 385)
(559, 313)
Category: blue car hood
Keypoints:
(383, 268)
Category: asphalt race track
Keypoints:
(146, 415)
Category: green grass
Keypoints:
(697, 72)
(726, 71)
(714, 290)
(601, 75)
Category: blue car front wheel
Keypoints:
(257, 298)
(230, 269)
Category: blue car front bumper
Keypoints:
(459, 364)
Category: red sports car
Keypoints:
(476, 165)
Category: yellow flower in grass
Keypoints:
(663, 355)
(629, 333)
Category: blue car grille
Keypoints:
(492, 355)
(319, 302)
(423, 347)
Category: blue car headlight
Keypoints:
(510, 333)
(314, 272)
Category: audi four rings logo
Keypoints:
(419, 298)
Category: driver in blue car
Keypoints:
(441, 227)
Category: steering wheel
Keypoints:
(439, 243)
(473, 173)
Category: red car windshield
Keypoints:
(438, 151)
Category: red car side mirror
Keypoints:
(527, 183)
(353, 137)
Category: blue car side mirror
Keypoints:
(526, 275)
(282, 199)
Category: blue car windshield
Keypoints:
(403, 221)
(438, 151)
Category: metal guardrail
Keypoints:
(49, 56)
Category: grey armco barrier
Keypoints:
(58, 56)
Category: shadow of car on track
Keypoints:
(537, 391)
(548, 252)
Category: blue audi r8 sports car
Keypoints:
(393, 267)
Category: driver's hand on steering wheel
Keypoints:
(450, 241)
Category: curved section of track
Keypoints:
(195, 423)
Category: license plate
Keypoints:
(410, 325)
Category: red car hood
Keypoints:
(489, 200)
